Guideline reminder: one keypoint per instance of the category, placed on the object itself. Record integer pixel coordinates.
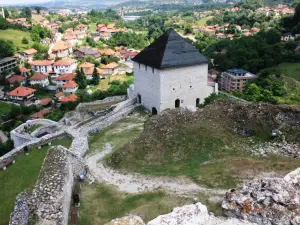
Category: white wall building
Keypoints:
(170, 73)
(39, 79)
(64, 66)
(41, 66)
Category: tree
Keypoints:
(6, 48)
(80, 79)
(6, 13)
(3, 23)
(26, 12)
(25, 41)
(188, 29)
(38, 9)
(95, 77)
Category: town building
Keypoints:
(111, 68)
(235, 79)
(64, 66)
(24, 71)
(22, 95)
(7, 65)
(85, 51)
(41, 66)
(69, 98)
(70, 87)
(170, 73)
(28, 54)
(39, 79)
(62, 49)
(64, 78)
(16, 79)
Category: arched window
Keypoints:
(154, 111)
(177, 103)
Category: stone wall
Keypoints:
(52, 193)
(19, 135)
(20, 215)
(83, 106)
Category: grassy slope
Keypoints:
(22, 175)
(203, 147)
(16, 37)
(202, 21)
(292, 87)
(291, 70)
(4, 108)
(100, 204)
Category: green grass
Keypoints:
(202, 21)
(292, 88)
(291, 70)
(16, 37)
(100, 204)
(119, 134)
(33, 127)
(18, 177)
(22, 176)
(203, 147)
(45, 94)
(5, 108)
(92, 27)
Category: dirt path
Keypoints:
(137, 183)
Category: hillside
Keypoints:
(215, 146)
(16, 37)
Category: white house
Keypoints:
(28, 54)
(111, 68)
(64, 66)
(170, 73)
(63, 79)
(70, 87)
(41, 66)
(22, 94)
(39, 79)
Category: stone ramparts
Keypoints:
(84, 106)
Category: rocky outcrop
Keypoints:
(195, 214)
(266, 201)
(127, 220)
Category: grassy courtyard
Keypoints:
(22, 176)
(16, 37)
(291, 70)
(100, 204)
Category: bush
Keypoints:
(25, 41)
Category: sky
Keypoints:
(6, 2)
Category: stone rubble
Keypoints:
(127, 220)
(266, 201)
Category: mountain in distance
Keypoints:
(90, 4)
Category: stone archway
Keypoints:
(154, 111)
(139, 98)
(197, 102)
(177, 103)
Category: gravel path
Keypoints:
(137, 183)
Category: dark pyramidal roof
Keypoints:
(170, 50)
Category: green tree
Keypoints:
(188, 29)
(26, 12)
(96, 78)
(80, 79)
(25, 41)
(6, 48)
(6, 13)
(38, 9)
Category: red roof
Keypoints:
(70, 98)
(16, 78)
(45, 101)
(38, 76)
(21, 91)
(70, 76)
(110, 65)
(59, 95)
(64, 62)
(41, 63)
(30, 51)
(86, 65)
(70, 84)
(24, 70)
(40, 114)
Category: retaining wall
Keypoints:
(83, 106)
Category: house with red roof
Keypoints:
(45, 101)
(128, 56)
(28, 54)
(64, 78)
(39, 79)
(110, 68)
(59, 95)
(88, 69)
(69, 98)
(22, 95)
(16, 79)
(41, 66)
(64, 66)
(70, 87)
(62, 49)
(24, 71)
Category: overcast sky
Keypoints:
(6, 2)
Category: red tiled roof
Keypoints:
(59, 95)
(61, 45)
(21, 91)
(108, 52)
(30, 51)
(63, 62)
(86, 65)
(70, 76)
(70, 84)
(38, 76)
(24, 70)
(41, 63)
(16, 78)
(40, 114)
(45, 101)
(70, 98)
(110, 65)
